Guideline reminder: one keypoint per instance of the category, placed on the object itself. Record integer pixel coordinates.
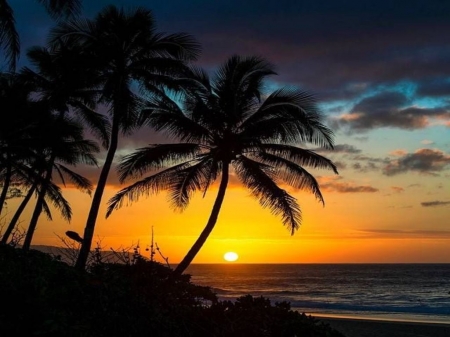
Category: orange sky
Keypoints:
(352, 227)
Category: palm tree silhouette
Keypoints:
(9, 38)
(127, 50)
(62, 144)
(225, 123)
(62, 87)
(32, 142)
(57, 87)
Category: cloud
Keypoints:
(365, 167)
(336, 49)
(389, 109)
(424, 161)
(398, 152)
(405, 234)
(341, 148)
(439, 87)
(340, 165)
(435, 203)
(363, 163)
(397, 189)
(345, 187)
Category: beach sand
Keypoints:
(374, 328)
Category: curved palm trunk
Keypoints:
(209, 226)
(17, 214)
(95, 205)
(7, 181)
(39, 204)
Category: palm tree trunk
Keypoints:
(7, 181)
(209, 226)
(15, 218)
(96, 200)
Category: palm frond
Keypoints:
(47, 211)
(73, 152)
(155, 157)
(55, 196)
(300, 156)
(238, 83)
(150, 185)
(98, 123)
(288, 116)
(9, 38)
(193, 178)
(256, 177)
(72, 31)
(78, 180)
(163, 114)
(292, 173)
(62, 8)
(179, 46)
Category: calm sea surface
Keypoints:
(411, 292)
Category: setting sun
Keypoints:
(230, 256)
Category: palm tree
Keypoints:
(62, 144)
(127, 50)
(9, 38)
(63, 84)
(224, 123)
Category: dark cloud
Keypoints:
(346, 187)
(366, 166)
(340, 165)
(335, 49)
(341, 148)
(389, 109)
(435, 203)
(434, 88)
(425, 161)
(363, 163)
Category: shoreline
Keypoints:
(399, 319)
(366, 327)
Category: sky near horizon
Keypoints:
(381, 72)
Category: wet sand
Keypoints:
(373, 328)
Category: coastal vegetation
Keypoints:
(42, 296)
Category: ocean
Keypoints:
(403, 292)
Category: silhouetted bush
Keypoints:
(40, 296)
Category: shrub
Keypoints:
(41, 296)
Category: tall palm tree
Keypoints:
(223, 123)
(9, 38)
(63, 144)
(127, 50)
(63, 84)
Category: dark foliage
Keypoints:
(41, 296)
